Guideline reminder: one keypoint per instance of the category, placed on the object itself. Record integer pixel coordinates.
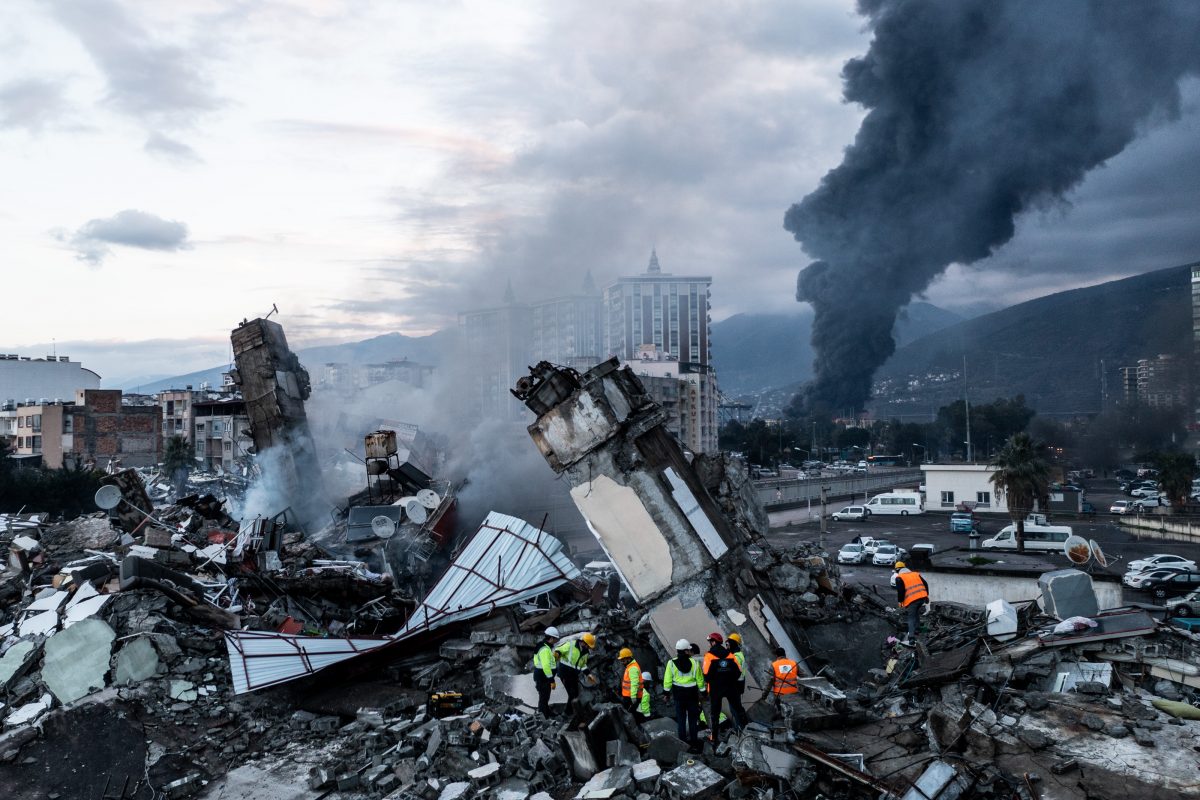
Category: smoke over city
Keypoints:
(977, 111)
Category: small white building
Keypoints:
(948, 485)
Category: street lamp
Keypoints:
(924, 452)
(968, 444)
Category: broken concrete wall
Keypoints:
(275, 386)
(673, 544)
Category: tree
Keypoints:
(1023, 477)
(177, 461)
(1175, 474)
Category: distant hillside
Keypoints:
(754, 352)
(1050, 349)
(422, 349)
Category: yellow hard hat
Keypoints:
(899, 565)
(735, 637)
(589, 639)
(625, 653)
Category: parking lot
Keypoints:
(933, 528)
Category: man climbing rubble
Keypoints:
(912, 594)
(683, 681)
(721, 675)
(544, 670)
(632, 687)
(572, 657)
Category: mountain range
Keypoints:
(1061, 351)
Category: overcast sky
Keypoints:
(170, 168)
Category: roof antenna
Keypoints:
(274, 310)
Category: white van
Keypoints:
(1039, 535)
(903, 503)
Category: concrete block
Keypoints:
(136, 661)
(1068, 593)
(692, 782)
(646, 775)
(665, 748)
(578, 754)
(455, 791)
(327, 724)
(620, 752)
(76, 660)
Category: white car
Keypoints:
(869, 544)
(1151, 502)
(887, 555)
(1159, 560)
(851, 512)
(851, 554)
(1145, 491)
(1137, 580)
(1121, 507)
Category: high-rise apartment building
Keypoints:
(567, 330)
(497, 351)
(666, 312)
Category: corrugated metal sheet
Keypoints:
(507, 561)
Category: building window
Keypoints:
(983, 499)
(947, 499)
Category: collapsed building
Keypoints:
(380, 645)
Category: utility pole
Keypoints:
(967, 411)
(824, 504)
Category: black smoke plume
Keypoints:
(977, 110)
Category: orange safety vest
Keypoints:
(627, 682)
(785, 671)
(914, 588)
(709, 658)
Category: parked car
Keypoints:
(1172, 584)
(1144, 491)
(1160, 560)
(851, 554)
(1140, 580)
(1186, 606)
(886, 555)
(1121, 507)
(1150, 502)
(851, 512)
(871, 545)
(962, 522)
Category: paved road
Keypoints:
(1119, 545)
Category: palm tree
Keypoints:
(1175, 474)
(1023, 477)
(177, 462)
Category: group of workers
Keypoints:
(687, 678)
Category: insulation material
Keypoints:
(619, 520)
(506, 562)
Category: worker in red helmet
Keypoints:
(721, 674)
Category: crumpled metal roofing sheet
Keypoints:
(507, 561)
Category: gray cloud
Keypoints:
(163, 146)
(31, 103)
(146, 79)
(128, 228)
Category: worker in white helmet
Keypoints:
(544, 670)
(683, 680)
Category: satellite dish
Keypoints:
(1097, 553)
(383, 527)
(417, 513)
(108, 497)
(429, 498)
(1077, 549)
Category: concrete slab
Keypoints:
(29, 712)
(76, 660)
(254, 783)
(136, 661)
(14, 662)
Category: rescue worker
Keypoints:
(784, 672)
(912, 593)
(721, 676)
(683, 680)
(631, 680)
(641, 711)
(543, 670)
(572, 657)
(896, 571)
(734, 644)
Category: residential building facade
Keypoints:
(669, 312)
(222, 433)
(177, 414)
(568, 330)
(688, 392)
(95, 428)
(496, 341)
(947, 486)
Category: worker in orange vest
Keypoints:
(784, 672)
(721, 673)
(912, 593)
(631, 681)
